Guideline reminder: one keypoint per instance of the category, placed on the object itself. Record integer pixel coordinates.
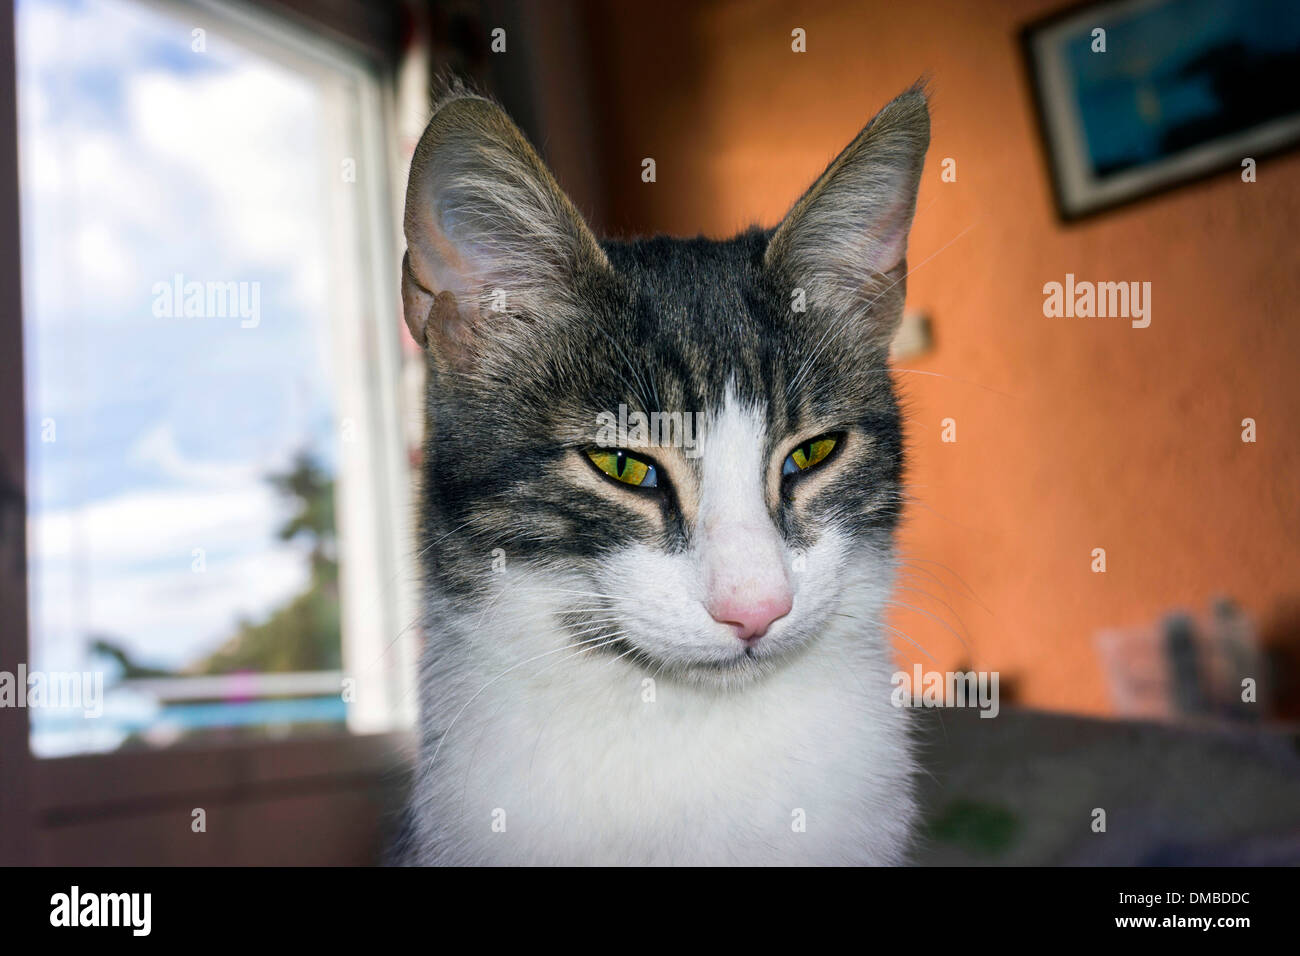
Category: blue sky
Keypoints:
(141, 159)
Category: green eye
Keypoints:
(624, 467)
(811, 453)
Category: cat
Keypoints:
(669, 652)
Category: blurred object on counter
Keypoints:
(1192, 668)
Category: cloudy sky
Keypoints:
(141, 159)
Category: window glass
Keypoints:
(188, 228)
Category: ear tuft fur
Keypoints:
(486, 222)
(845, 239)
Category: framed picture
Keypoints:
(1135, 96)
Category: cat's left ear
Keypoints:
(491, 238)
(845, 240)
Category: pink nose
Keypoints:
(751, 618)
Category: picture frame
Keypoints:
(1138, 96)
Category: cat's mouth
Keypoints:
(614, 639)
(747, 665)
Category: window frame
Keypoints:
(93, 793)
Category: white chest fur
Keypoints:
(593, 761)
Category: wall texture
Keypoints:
(1072, 434)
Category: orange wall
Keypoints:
(1072, 433)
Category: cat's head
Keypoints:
(758, 502)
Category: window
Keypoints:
(217, 492)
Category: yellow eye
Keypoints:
(623, 467)
(810, 453)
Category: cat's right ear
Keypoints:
(493, 244)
